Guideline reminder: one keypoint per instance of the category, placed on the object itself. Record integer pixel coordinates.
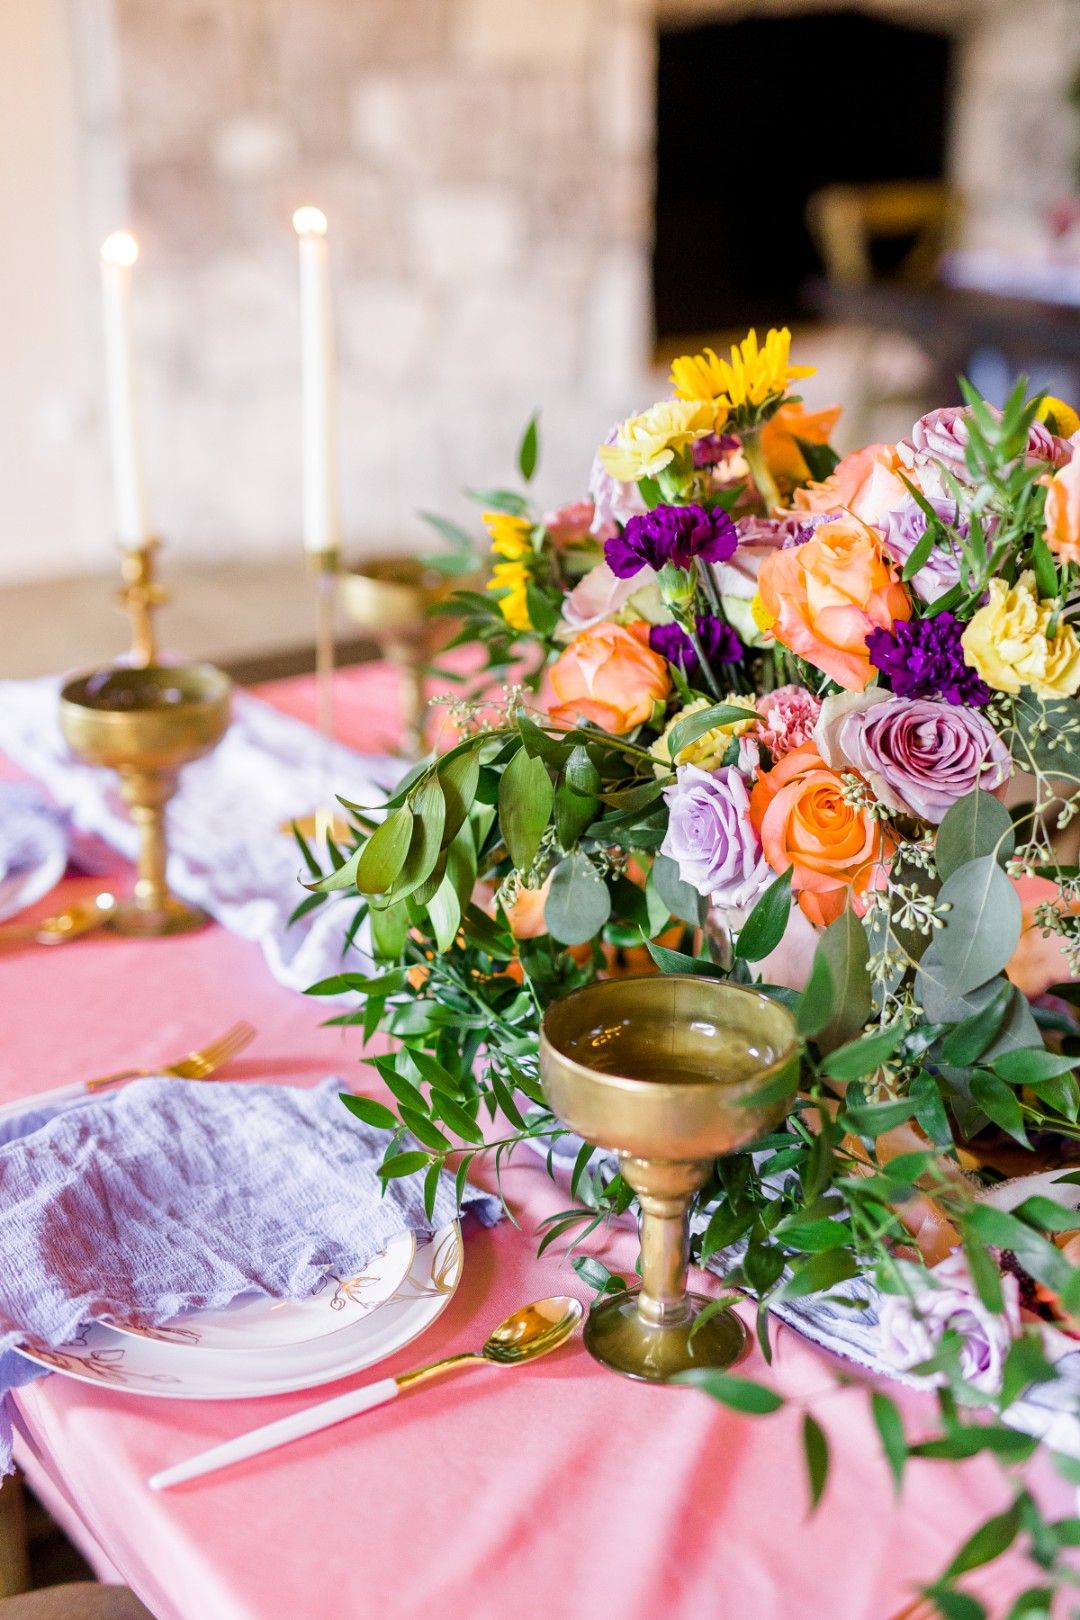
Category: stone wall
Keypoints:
(485, 166)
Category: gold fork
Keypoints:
(196, 1066)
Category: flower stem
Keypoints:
(695, 641)
(759, 468)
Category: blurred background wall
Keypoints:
(488, 169)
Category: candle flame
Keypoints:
(309, 222)
(120, 248)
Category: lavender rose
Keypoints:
(710, 837)
(903, 528)
(941, 437)
(918, 755)
(912, 1329)
(613, 502)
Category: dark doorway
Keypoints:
(752, 117)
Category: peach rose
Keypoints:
(1063, 511)
(526, 915)
(825, 596)
(1037, 963)
(803, 820)
(610, 675)
(866, 484)
(780, 435)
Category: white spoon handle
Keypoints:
(271, 1435)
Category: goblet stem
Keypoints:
(147, 793)
(665, 1257)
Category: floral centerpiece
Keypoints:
(806, 723)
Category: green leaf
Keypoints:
(529, 448)
(1028, 1067)
(985, 1274)
(682, 900)
(890, 1428)
(578, 903)
(452, 1114)
(370, 1111)
(954, 1605)
(1061, 1093)
(981, 928)
(403, 1164)
(342, 877)
(1025, 1364)
(1046, 575)
(991, 1539)
(1034, 1604)
(998, 1102)
(384, 853)
(816, 1453)
(543, 614)
(977, 825)
(429, 821)
(960, 1444)
(1046, 1214)
(424, 1130)
(966, 1043)
(1049, 738)
(444, 911)
(821, 459)
(919, 556)
(740, 1394)
(817, 1003)
(764, 928)
(458, 777)
(455, 537)
(1018, 1028)
(846, 949)
(863, 1056)
(576, 801)
(669, 961)
(431, 1187)
(500, 500)
(874, 1119)
(818, 1274)
(595, 1275)
(1035, 1253)
(388, 930)
(525, 800)
(696, 725)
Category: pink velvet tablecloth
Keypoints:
(559, 1489)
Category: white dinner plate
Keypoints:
(139, 1366)
(254, 1322)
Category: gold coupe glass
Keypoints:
(666, 1070)
(392, 599)
(146, 723)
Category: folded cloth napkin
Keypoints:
(33, 846)
(170, 1194)
(226, 850)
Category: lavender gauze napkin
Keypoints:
(170, 1194)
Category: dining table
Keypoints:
(558, 1487)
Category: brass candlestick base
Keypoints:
(146, 723)
(665, 1070)
(392, 599)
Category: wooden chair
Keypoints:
(921, 219)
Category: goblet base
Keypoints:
(619, 1337)
(144, 922)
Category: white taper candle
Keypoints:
(118, 253)
(320, 498)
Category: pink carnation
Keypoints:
(788, 718)
(570, 525)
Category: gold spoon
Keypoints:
(528, 1333)
(81, 918)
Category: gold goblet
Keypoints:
(392, 599)
(146, 723)
(666, 1070)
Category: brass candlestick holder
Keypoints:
(392, 599)
(664, 1070)
(147, 720)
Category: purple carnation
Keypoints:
(671, 535)
(923, 658)
(718, 641)
(711, 837)
(713, 448)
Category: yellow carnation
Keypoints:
(709, 749)
(1009, 645)
(647, 443)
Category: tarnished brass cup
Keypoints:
(392, 599)
(146, 724)
(665, 1071)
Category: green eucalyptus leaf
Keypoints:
(975, 826)
(1018, 1028)
(525, 800)
(389, 926)
(458, 778)
(863, 1056)
(429, 820)
(1048, 735)
(981, 928)
(846, 948)
(740, 1394)
(578, 903)
(444, 911)
(817, 1004)
(682, 900)
(576, 798)
(969, 1040)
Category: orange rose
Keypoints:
(781, 432)
(609, 675)
(1037, 963)
(867, 484)
(825, 597)
(1063, 511)
(526, 915)
(803, 820)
